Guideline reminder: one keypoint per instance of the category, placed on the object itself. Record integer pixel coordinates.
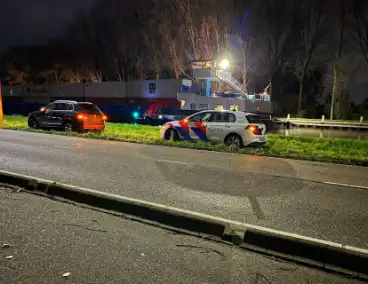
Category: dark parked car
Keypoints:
(68, 116)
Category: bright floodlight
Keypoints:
(224, 64)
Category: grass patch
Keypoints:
(335, 150)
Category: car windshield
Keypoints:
(253, 118)
(199, 116)
(48, 106)
(91, 108)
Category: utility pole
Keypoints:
(332, 106)
(334, 90)
(1, 105)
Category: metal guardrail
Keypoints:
(322, 123)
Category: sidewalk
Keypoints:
(49, 239)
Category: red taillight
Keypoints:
(104, 117)
(82, 116)
(252, 129)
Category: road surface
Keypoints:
(293, 196)
(48, 239)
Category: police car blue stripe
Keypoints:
(185, 135)
(200, 134)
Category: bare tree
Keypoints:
(154, 48)
(120, 73)
(69, 75)
(245, 40)
(190, 23)
(310, 23)
(171, 34)
(205, 26)
(139, 63)
(124, 51)
(217, 26)
(246, 68)
(338, 23)
(278, 34)
(360, 26)
(14, 76)
(94, 75)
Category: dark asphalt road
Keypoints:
(277, 193)
(50, 238)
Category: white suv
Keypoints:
(230, 127)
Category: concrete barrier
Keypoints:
(311, 251)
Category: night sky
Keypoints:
(24, 22)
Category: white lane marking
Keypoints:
(170, 161)
(346, 185)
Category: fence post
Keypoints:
(323, 118)
(361, 119)
(288, 116)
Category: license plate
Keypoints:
(93, 119)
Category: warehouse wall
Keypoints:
(148, 89)
(118, 99)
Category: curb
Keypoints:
(310, 251)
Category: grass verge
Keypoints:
(334, 150)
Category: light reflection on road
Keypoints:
(229, 182)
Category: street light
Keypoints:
(224, 64)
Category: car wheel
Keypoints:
(172, 134)
(68, 126)
(234, 139)
(32, 123)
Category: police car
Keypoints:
(229, 127)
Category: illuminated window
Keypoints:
(182, 103)
(219, 107)
(234, 107)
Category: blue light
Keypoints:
(245, 17)
(135, 114)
